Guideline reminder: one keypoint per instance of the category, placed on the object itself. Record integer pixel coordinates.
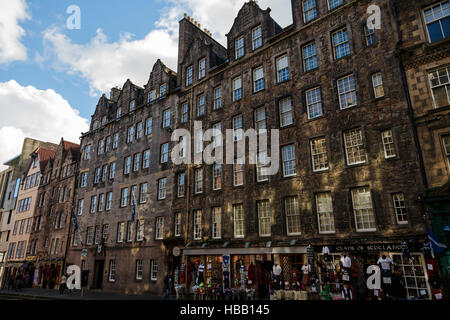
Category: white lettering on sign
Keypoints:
(374, 280)
(74, 280)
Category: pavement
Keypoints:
(53, 294)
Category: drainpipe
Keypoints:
(408, 97)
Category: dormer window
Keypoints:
(96, 124)
(119, 113)
(151, 96)
(35, 161)
(132, 105)
(162, 90)
(239, 47)
(189, 73)
(104, 120)
(257, 37)
(202, 69)
(333, 4)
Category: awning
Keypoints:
(243, 251)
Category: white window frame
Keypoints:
(433, 18)
(238, 169)
(257, 38)
(319, 154)
(293, 217)
(387, 137)
(310, 12)
(377, 83)
(162, 183)
(367, 207)
(139, 269)
(286, 160)
(202, 68)
(326, 211)
(348, 90)
(153, 270)
(217, 170)
(159, 228)
(177, 224)
(286, 112)
(238, 221)
(436, 83)
(197, 225)
(400, 209)
(112, 271)
(239, 49)
(216, 223)
(358, 147)
(198, 180)
(258, 79)
(264, 218)
(237, 88)
(341, 43)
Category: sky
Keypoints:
(52, 74)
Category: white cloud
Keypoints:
(11, 13)
(218, 15)
(104, 64)
(34, 113)
(107, 64)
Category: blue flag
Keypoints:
(435, 244)
(75, 221)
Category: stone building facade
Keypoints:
(22, 220)
(350, 175)
(125, 159)
(425, 52)
(16, 168)
(52, 215)
(349, 166)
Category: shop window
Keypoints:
(413, 271)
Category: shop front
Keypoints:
(239, 273)
(344, 271)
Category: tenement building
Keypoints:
(425, 50)
(349, 182)
(52, 215)
(10, 187)
(22, 217)
(124, 189)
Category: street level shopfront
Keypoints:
(243, 273)
(292, 273)
(416, 270)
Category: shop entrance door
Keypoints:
(98, 274)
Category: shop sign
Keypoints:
(176, 251)
(31, 258)
(84, 253)
(388, 247)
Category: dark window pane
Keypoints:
(435, 32)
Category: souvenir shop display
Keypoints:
(276, 276)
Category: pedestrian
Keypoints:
(398, 290)
(168, 285)
(62, 284)
(19, 282)
(11, 283)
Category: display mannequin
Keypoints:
(276, 276)
(346, 263)
(326, 253)
(305, 279)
